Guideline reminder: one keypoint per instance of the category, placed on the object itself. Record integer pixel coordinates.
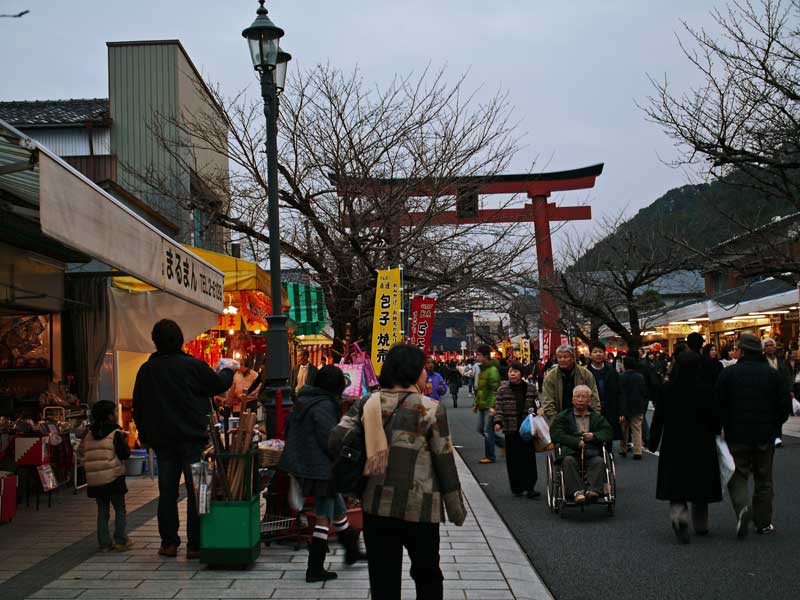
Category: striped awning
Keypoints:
(308, 307)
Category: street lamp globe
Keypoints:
(280, 69)
(262, 37)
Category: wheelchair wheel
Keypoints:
(552, 496)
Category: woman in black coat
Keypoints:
(686, 421)
(307, 458)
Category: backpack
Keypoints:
(348, 466)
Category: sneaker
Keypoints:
(124, 547)
(681, 529)
(486, 461)
(591, 496)
(778, 442)
(766, 530)
(742, 522)
(580, 497)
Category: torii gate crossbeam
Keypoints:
(537, 187)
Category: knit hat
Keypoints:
(750, 343)
(695, 341)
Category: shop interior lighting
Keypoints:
(774, 312)
(757, 314)
(230, 310)
(681, 323)
(728, 333)
(231, 331)
(730, 321)
(698, 319)
(765, 328)
(749, 317)
(257, 331)
(649, 332)
(237, 356)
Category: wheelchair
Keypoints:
(556, 496)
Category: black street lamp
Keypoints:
(270, 62)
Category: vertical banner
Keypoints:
(387, 321)
(525, 349)
(420, 327)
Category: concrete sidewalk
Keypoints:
(480, 560)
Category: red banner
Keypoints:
(256, 307)
(421, 322)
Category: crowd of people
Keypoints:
(410, 481)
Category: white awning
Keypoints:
(773, 302)
(682, 313)
(76, 212)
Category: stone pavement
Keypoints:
(480, 560)
(34, 536)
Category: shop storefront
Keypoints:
(63, 237)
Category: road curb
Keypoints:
(523, 580)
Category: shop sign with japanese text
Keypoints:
(387, 322)
(420, 326)
(190, 278)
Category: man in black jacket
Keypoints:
(171, 404)
(607, 378)
(755, 403)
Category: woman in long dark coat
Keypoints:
(686, 421)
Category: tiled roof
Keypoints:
(39, 113)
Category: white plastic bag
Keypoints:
(540, 429)
(795, 407)
(726, 464)
(296, 500)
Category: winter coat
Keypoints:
(488, 382)
(635, 396)
(102, 459)
(507, 409)
(755, 401)
(564, 432)
(553, 390)
(171, 398)
(308, 428)
(685, 424)
(436, 380)
(609, 393)
(421, 480)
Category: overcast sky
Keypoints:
(573, 68)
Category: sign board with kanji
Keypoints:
(420, 327)
(190, 278)
(387, 321)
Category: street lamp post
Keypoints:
(270, 62)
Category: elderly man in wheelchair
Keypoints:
(579, 435)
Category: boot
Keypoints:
(317, 550)
(349, 541)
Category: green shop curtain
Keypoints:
(308, 308)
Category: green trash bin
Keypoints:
(230, 533)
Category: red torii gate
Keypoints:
(537, 186)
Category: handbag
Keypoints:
(348, 467)
(359, 357)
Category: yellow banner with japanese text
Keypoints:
(387, 322)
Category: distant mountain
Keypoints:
(702, 215)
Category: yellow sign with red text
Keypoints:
(387, 322)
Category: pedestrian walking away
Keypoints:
(516, 399)
(412, 479)
(754, 402)
(633, 405)
(685, 424)
(453, 381)
(171, 405)
(308, 459)
(103, 450)
(485, 400)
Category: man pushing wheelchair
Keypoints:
(581, 433)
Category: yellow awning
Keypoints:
(319, 339)
(240, 276)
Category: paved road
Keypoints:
(634, 554)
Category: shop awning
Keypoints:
(239, 276)
(65, 206)
(681, 312)
(319, 339)
(765, 295)
(308, 308)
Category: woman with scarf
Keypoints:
(411, 477)
(517, 398)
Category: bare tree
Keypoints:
(613, 284)
(743, 124)
(744, 116)
(333, 129)
(15, 15)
